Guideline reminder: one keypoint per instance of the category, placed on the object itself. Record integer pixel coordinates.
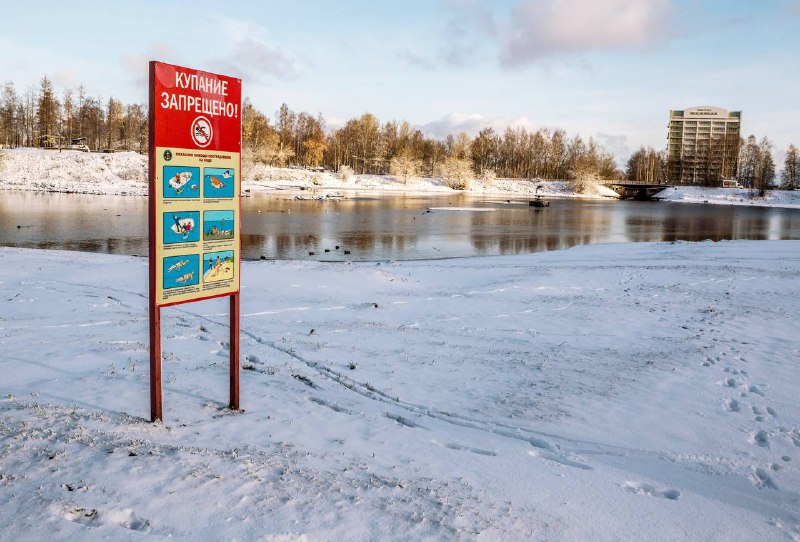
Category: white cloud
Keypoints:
(251, 56)
(66, 78)
(334, 123)
(616, 144)
(137, 63)
(471, 123)
(469, 23)
(544, 27)
(416, 60)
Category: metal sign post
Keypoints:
(194, 220)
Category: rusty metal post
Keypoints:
(234, 350)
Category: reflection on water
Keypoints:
(401, 227)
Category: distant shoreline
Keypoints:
(125, 174)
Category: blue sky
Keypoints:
(610, 70)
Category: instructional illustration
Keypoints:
(181, 271)
(218, 182)
(181, 227)
(218, 225)
(181, 182)
(218, 266)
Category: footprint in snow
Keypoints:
(756, 390)
(795, 436)
(461, 447)
(732, 405)
(641, 488)
(83, 516)
(560, 459)
(91, 517)
(762, 479)
(127, 519)
(760, 438)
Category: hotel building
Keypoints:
(703, 145)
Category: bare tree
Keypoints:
(10, 123)
(749, 155)
(766, 166)
(791, 169)
(646, 166)
(404, 166)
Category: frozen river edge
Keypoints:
(125, 173)
(638, 391)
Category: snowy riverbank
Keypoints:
(731, 196)
(125, 173)
(608, 392)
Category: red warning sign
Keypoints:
(195, 172)
(206, 104)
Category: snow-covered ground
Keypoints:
(731, 196)
(123, 173)
(606, 392)
(270, 178)
(126, 173)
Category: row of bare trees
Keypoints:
(367, 146)
(39, 117)
(756, 166)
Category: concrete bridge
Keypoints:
(634, 190)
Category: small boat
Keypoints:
(539, 202)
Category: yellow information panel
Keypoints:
(197, 218)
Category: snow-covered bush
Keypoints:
(128, 166)
(345, 173)
(488, 177)
(584, 180)
(456, 172)
(404, 167)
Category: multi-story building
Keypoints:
(703, 145)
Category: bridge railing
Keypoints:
(633, 183)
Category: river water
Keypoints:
(390, 227)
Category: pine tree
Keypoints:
(47, 112)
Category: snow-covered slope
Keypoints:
(126, 173)
(269, 178)
(606, 392)
(74, 171)
(731, 196)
